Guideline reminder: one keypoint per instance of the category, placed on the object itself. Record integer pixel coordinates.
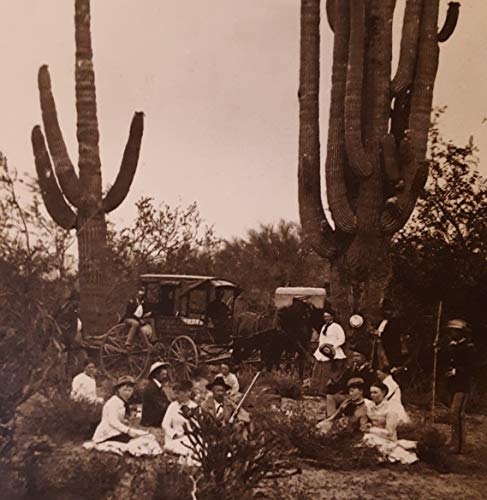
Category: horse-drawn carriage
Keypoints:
(183, 330)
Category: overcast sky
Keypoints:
(217, 80)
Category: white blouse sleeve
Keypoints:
(114, 418)
(168, 418)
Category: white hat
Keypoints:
(356, 321)
(156, 365)
(457, 324)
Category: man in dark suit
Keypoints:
(461, 357)
(155, 400)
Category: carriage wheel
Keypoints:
(116, 360)
(183, 356)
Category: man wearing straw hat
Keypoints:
(155, 398)
(461, 355)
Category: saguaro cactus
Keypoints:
(75, 200)
(377, 137)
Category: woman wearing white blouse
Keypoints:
(329, 356)
(114, 425)
(174, 423)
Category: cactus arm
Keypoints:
(409, 46)
(330, 13)
(357, 158)
(391, 166)
(53, 198)
(87, 122)
(342, 214)
(399, 208)
(128, 167)
(450, 22)
(317, 232)
(422, 89)
(65, 171)
(400, 115)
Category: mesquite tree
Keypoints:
(377, 137)
(75, 199)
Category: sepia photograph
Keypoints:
(243, 250)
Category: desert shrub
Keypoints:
(230, 465)
(59, 417)
(432, 449)
(284, 385)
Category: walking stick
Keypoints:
(435, 360)
(241, 402)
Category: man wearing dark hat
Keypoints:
(460, 353)
(155, 398)
(221, 407)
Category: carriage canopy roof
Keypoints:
(284, 296)
(187, 280)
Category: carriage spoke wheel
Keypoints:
(183, 356)
(117, 360)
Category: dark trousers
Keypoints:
(457, 421)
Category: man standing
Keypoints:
(461, 356)
(135, 317)
(329, 356)
(83, 387)
(154, 398)
(387, 342)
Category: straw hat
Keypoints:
(158, 364)
(457, 324)
(356, 321)
(124, 380)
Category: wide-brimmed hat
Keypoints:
(218, 382)
(124, 380)
(457, 324)
(328, 350)
(158, 364)
(356, 321)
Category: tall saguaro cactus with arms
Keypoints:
(378, 130)
(74, 199)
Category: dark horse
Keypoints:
(288, 333)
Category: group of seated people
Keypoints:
(165, 406)
(369, 402)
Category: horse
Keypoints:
(289, 332)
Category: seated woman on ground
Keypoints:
(351, 415)
(394, 394)
(382, 429)
(175, 422)
(114, 425)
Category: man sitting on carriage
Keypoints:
(220, 317)
(136, 318)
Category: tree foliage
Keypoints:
(267, 258)
(441, 253)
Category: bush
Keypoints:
(432, 449)
(230, 465)
(284, 385)
(59, 418)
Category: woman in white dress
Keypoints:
(382, 429)
(115, 433)
(393, 394)
(175, 423)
